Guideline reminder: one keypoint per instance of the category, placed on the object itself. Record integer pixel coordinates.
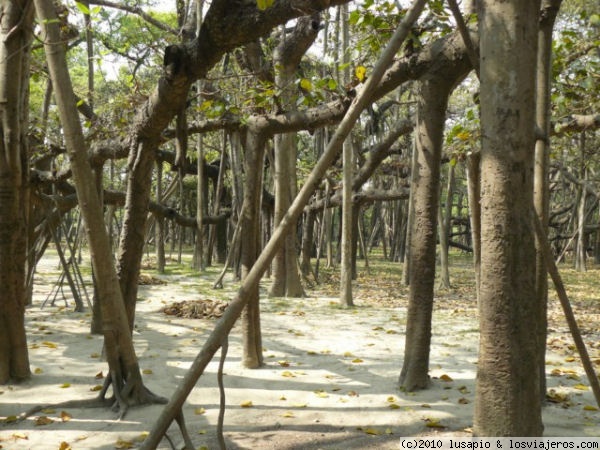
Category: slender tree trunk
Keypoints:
(251, 331)
(541, 184)
(508, 400)
(159, 236)
(347, 191)
(474, 194)
(445, 226)
(124, 369)
(16, 21)
(581, 244)
(425, 189)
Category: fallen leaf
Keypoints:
(95, 355)
(246, 404)
(425, 405)
(121, 443)
(432, 423)
(48, 411)
(43, 420)
(98, 387)
(321, 393)
(287, 374)
(147, 371)
(49, 344)
(142, 437)
(284, 363)
(581, 387)
(590, 408)
(372, 431)
(282, 397)
(353, 393)
(38, 371)
(199, 411)
(20, 436)
(570, 359)
(64, 446)
(348, 354)
(463, 401)
(65, 385)
(357, 361)
(202, 431)
(65, 416)
(446, 378)
(99, 375)
(388, 431)
(299, 405)
(394, 406)
(391, 399)
(288, 414)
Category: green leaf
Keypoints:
(83, 8)
(306, 84)
(264, 4)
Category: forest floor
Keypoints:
(330, 378)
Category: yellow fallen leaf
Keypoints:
(353, 393)
(98, 387)
(357, 361)
(372, 431)
(391, 332)
(570, 359)
(348, 354)
(65, 416)
(121, 443)
(49, 344)
(202, 431)
(48, 411)
(284, 363)
(64, 446)
(19, 435)
(321, 394)
(581, 387)
(147, 371)
(391, 399)
(394, 406)
(43, 420)
(38, 371)
(246, 404)
(95, 355)
(432, 423)
(425, 405)
(299, 405)
(311, 352)
(464, 390)
(288, 414)
(446, 378)
(199, 411)
(99, 375)
(65, 385)
(142, 437)
(463, 401)
(388, 431)
(282, 397)
(590, 408)
(288, 374)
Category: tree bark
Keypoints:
(508, 400)
(16, 20)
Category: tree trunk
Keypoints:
(474, 197)
(16, 20)
(444, 226)
(287, 56)
(425, 189)
(125, 374)
(347, 234)
(250, 320)
(508, 400)
(541, 189)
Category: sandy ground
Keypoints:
(330, 379)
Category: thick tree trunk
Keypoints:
(16, 19)
(508, 400)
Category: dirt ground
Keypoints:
(330, 379)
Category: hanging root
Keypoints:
(224, 348)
